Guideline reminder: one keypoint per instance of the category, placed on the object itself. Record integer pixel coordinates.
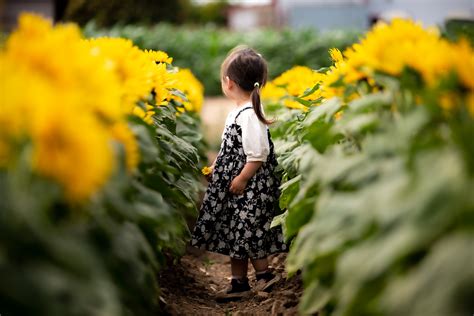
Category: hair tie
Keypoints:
(256, 84)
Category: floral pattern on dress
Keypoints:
(239, 225)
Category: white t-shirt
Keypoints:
(254, 133)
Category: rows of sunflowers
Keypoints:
(377, 154)
(100, 148)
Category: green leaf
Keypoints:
(309, 91)
(314, 298)
(299, 214)
(324, 112)
(360, 124)
(436, 286)
(289, 190)
(279, 220)
(371, 102)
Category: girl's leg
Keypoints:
(260, 265)
(239, 283)
(239, 268)
(263, 274)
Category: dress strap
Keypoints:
(244, 109)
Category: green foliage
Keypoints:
(381, 204)
(209, 13)
(203, 49)
(455, 29)
(110, 12)
(101, 258)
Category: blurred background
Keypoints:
(286, 32)
(242, 14)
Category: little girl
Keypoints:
(243, 191)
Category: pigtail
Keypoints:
(257, 104)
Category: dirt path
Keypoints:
(190, 286)
(213, 114)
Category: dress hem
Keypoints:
(227, 253)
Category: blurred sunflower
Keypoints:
(131, 65)
(72, 148)
(188, 84)
(122, 133)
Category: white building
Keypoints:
(249, 17)
(347, 14)
(430, 12)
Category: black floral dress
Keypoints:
(239, 225)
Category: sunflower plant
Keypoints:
(377, 177)
(98, 170)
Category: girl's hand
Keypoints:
(238, 185)
(209, 176)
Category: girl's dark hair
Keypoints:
(249, 70)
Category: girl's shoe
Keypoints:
(266, 281)
(237, 290)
